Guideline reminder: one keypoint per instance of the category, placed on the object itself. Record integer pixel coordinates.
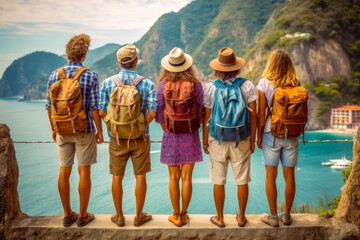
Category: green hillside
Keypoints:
(97, 54)
(201, 28)
(27, 69)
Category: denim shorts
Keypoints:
(286, 151)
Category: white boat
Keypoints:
(342, 164)
(333, 161)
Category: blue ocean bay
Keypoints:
(38, 166)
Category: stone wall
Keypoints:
(16, 225)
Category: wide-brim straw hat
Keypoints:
(227, 61)
(177, 61)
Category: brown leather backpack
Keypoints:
(67, 113)
(181, 107)
(289, 112)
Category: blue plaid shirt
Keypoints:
(89, 84)
(145, 88)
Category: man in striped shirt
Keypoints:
(139, 150)
(84, 143)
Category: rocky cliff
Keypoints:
(314, 59)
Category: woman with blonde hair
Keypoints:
(279, 73)
(180, 99)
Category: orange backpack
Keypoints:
(67, 113)
(289, 112)
(181, 107)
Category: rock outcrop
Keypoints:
(9, 174)
(349, 205)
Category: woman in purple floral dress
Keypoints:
(180, 151)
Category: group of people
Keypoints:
(226, 108)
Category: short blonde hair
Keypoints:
(77, 47)
(187, 75)
(280, 69)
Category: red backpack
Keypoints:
(181, 107)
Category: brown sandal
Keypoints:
(140, 221)
(118, 221)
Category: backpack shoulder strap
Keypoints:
(79, 72)
(61, 73)
(137, 81)
(239, 81)
(217, 82)
(116, 79)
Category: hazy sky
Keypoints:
(30, 25)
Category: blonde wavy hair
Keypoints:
(280, 69)
(188, 75)
(77, 47)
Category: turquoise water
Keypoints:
(38, 165)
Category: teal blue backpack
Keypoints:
(229, 117)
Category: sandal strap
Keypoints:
(177, 213)
(184, 213)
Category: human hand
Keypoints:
(99, 137)
(259, 142)
(206, 148)
(54, 135)
(252, 146)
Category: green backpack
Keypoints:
(124, 119)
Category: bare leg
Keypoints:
(140, 194)
(117, 194)
(219, 197)
(64, 189)
(271, 190)
(186, 191)
(174, 190)
(289, 176)
(84, 189)
(243, 194)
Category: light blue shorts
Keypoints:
(287, 152)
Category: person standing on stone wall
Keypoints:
(284, 103)
(180, 97)
(72, 105)
(230, 120)
(128, 105)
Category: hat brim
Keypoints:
(214, 64)
(187, 64)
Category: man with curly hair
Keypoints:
(83, 143)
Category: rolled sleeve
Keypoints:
(209, 93)
(50, 82)
(94, 93)
(250, 91)
(103, 98)
(152, 102)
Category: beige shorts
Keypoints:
(239, 158)
(83, 144)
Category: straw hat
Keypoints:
(129, 51)
(177, 60)
(227, 61)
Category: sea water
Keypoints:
(39, 167)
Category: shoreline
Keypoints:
(336, 130)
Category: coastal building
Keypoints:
(345, 117)
(296, 35)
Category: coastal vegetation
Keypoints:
(328, 204)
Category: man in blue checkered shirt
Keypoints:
(139, 150)
(83, 144)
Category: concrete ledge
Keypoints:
(305, 226)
